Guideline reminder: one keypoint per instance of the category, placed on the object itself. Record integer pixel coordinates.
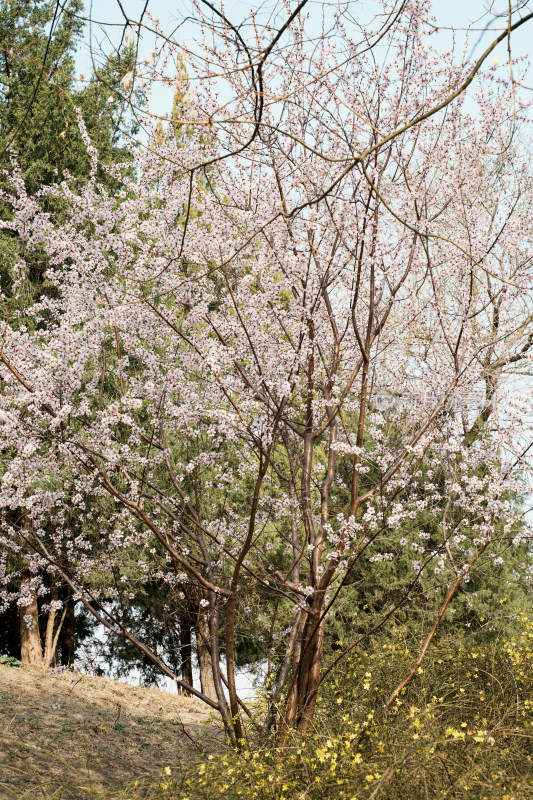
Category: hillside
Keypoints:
(85, 733)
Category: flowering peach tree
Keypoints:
(288, 349)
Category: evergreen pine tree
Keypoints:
(39, 133)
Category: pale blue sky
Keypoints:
(459, 14)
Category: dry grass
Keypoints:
(71, 736)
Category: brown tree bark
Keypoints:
(67, 633)
(52, 630)
(203, 646)
(186, 650)
(300, 702)
(36, 649)
(309, 674)
(31, 650)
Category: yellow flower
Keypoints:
(455, 734)
(167, 770)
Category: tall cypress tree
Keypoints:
(39, 98)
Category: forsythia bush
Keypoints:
(462, 729)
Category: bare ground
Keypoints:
(87, 734)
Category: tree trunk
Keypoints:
(53, 629)
(203, 644)
(300, 702)
(309, 679)
(67, 634)
(49, 649)
(186, 650)
(31, 650)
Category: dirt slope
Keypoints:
(84, 733)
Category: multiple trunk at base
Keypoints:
(40, 647)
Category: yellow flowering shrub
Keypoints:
(463, 729)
